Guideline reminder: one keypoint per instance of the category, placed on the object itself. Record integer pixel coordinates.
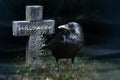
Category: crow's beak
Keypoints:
(64, 27)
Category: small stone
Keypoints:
(26, 78)
(48, 78)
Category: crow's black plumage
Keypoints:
(67, 43)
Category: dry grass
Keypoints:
(82, 69)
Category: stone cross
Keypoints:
(34, 27)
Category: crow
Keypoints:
(68, 42)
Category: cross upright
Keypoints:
(34, 27)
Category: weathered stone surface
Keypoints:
(34, 13)
(27, 28)
(34, 27)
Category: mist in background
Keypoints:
(100, 21)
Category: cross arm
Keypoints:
(21, 28)
(47, 27)
(27, 28)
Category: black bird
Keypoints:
(67, 43)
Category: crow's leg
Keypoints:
(58, 67)
(57, 61)
(72, 67)
(72, 60)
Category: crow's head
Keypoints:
(72, 32)
(71, 27)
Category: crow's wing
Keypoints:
(58, 39)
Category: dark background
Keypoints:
(100, 20)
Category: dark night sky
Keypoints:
(101, 23)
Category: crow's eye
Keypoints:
(71, 25)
